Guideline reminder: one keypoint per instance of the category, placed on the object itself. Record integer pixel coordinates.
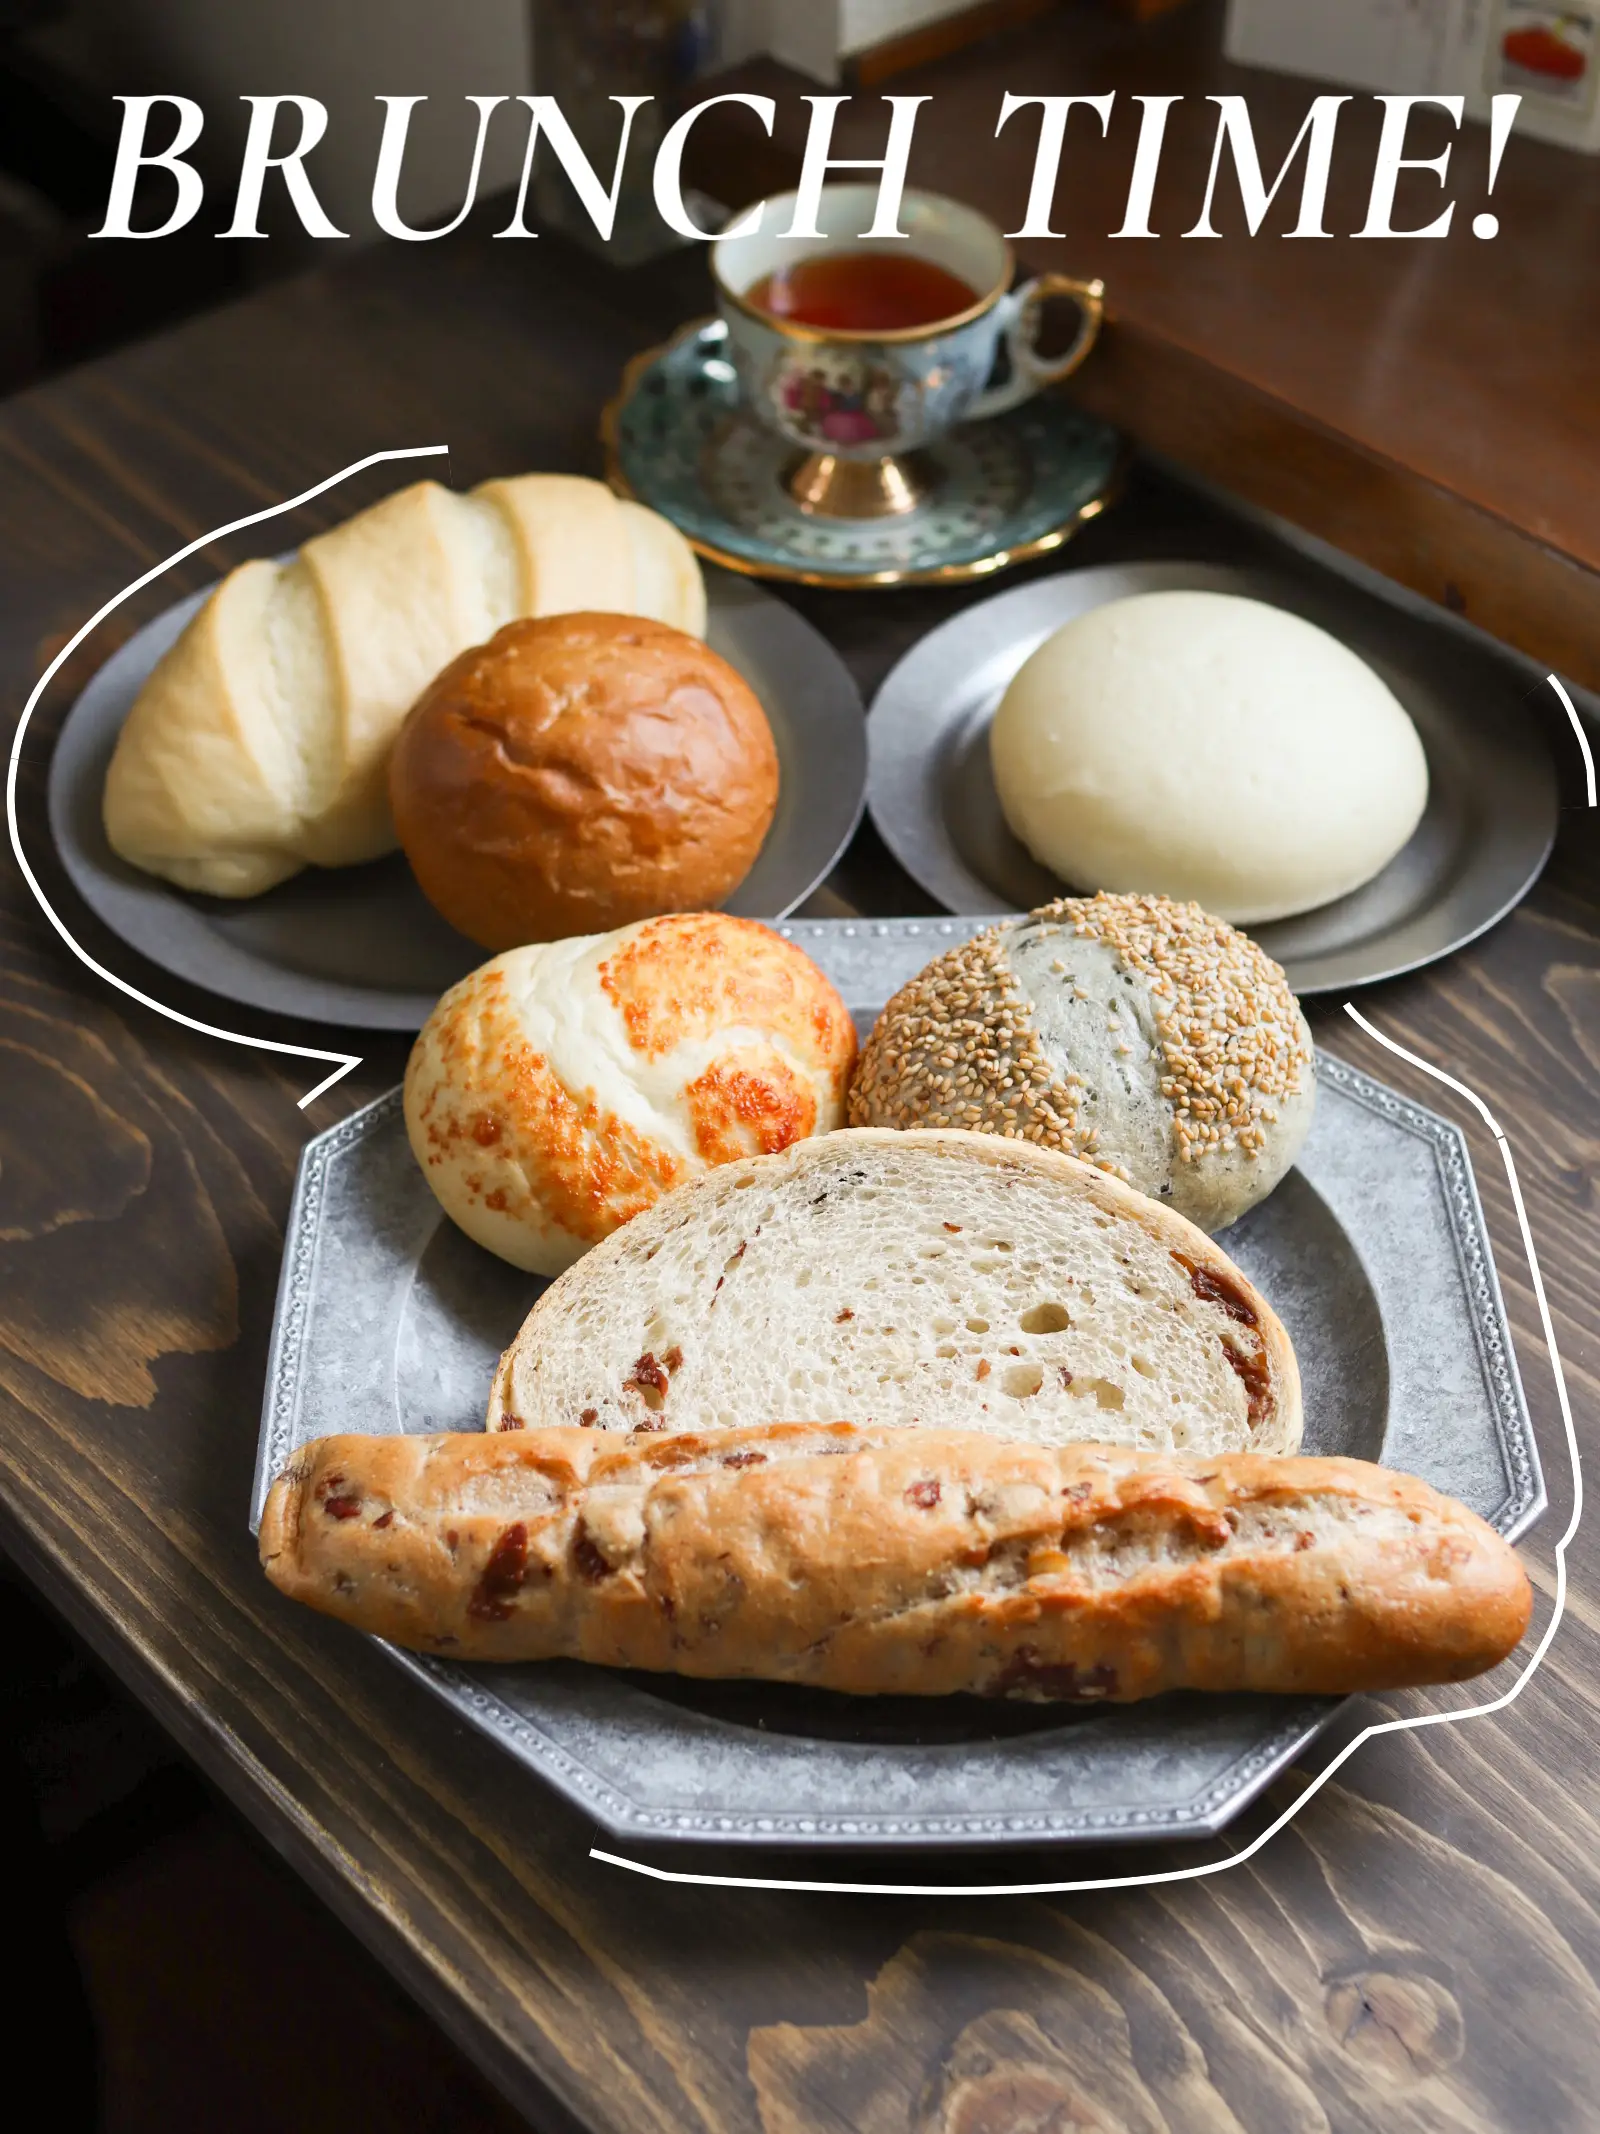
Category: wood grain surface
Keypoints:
(1417, 1952)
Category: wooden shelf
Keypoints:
(1429, 407)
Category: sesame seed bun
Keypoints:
(1141, 1035)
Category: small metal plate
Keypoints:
(1480, 847)
(1373, 1252)
(362, 946)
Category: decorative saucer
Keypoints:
(999, 492)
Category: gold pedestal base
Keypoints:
(834, 488)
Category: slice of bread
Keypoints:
(888, 1278)
(668, 586)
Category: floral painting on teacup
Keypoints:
(837, 400)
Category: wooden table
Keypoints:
(1416, 1952)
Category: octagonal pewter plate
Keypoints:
(1374, 1253)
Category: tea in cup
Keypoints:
(861, 350)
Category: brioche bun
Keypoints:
(578, 773)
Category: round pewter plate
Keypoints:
(362, 946)
(1480, 847)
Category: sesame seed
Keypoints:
(957, 1045)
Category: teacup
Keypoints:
(855, 400)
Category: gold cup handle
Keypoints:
(1030, 371)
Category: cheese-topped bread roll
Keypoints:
(563, 1088)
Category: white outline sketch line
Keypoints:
(1583, 739)
(1417, 1721)
(345, 1061)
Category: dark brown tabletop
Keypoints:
(1417, 1951)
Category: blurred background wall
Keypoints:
(62, 64)
(346, 53)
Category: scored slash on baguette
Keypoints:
(913, 1562)
(899, 1277)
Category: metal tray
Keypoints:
(362, 946)
(1481, 845)
(1373, 1252)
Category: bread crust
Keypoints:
(1145, 1036)
(578, 773)
(914, 1562)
